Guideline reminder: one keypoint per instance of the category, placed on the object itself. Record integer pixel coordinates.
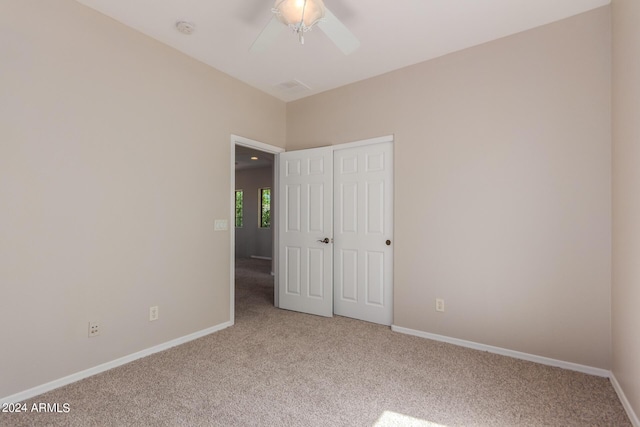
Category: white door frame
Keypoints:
(362, 142)
(261, 146)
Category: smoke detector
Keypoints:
(185, 27)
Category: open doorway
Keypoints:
(253, 194)
(253, 236)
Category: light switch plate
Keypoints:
(221, 225)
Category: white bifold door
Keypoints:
(336, 232)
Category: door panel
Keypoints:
(292, 262)
(348, 271)
(316, 273)
(293, 208)
(316, 208)
(306, 263)
(373, 283)
(348, 194)
(374, 208)
(363, 282)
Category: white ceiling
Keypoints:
(393, 34)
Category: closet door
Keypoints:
(336, 232)
(363, 232)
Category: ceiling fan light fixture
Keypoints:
(299, 15)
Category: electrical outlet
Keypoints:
(439, 304)
(94, 329)
(153, 313)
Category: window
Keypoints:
(265, 208)
(239, 208)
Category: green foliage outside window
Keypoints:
(265, 207)
(239, 208)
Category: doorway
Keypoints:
(253, 194)
(253, 236)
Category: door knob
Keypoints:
(388, 242)
(325, 240)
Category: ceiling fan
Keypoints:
(301, 16)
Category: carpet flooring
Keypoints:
(281, 368)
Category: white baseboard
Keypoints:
(625, 402)
(35, 391)
(506, 352)
(266, 258)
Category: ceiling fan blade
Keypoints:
(338, 33)
(267, 36)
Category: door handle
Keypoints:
(325, 240)
(388, 242)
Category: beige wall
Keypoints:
(114, 163)
(502, 186)
(626, 198)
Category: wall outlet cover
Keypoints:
(153, 313)
(94, 329)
